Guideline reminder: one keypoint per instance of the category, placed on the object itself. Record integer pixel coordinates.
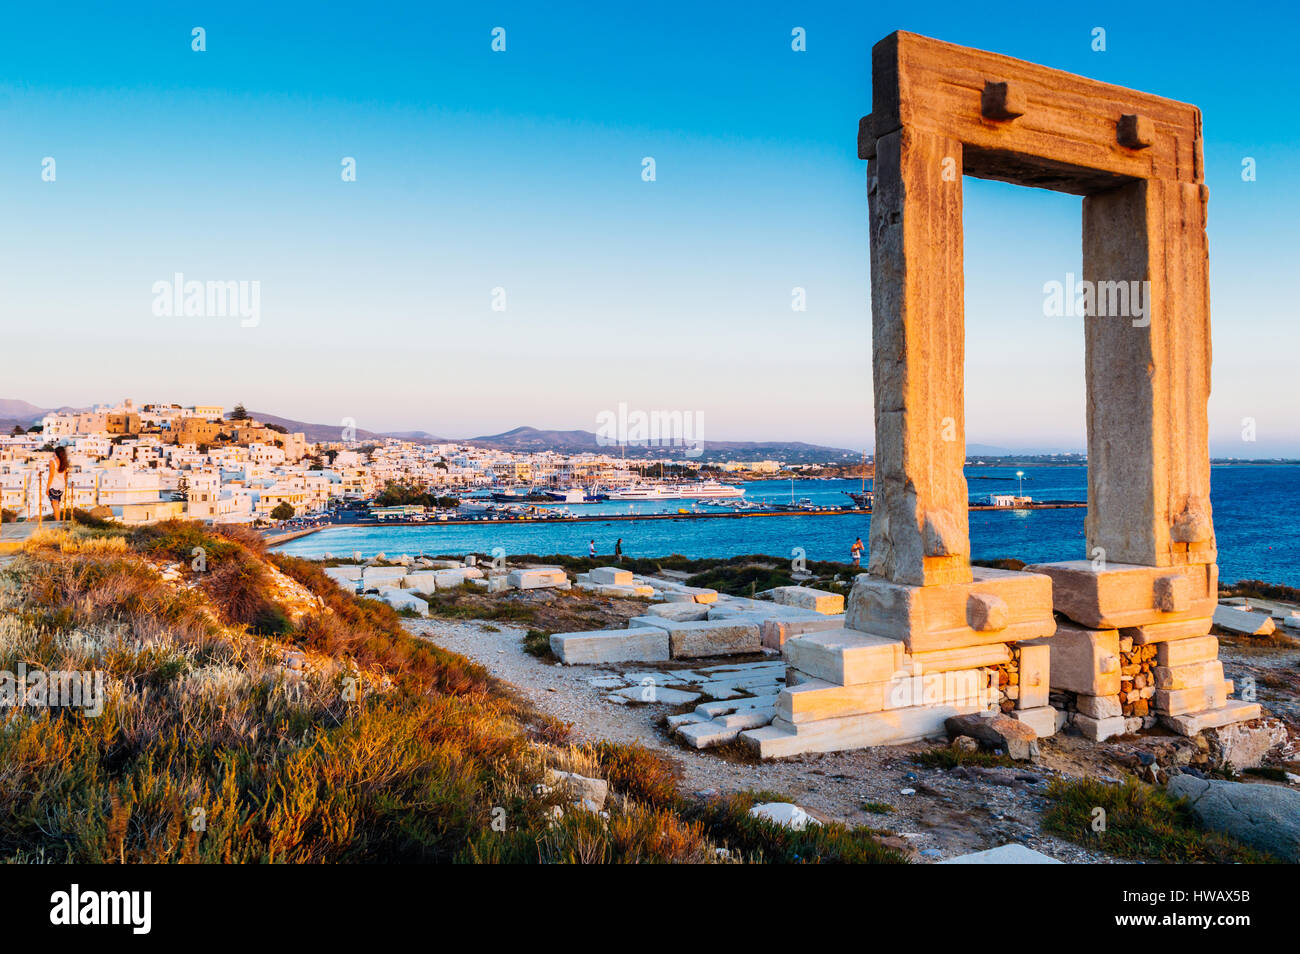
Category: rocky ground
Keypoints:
(933, 812)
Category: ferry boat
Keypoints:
(701, 490)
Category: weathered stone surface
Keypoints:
(374, 576)
(966, 657)
(536, 579)
(893, 727)
(1192, 723)
(1182, 701)
(682, 612)
(611, 574)
(1041, 719)
(1236, 620)
(1099, 708)
(1148, 377)
(641, 644)
(404, 600)
(845, 657)
(588, 792)
(817, 699)
(1017, 739)
(1244, 745)
(1265, 816)
(931, 618)
(774, 632)
(1114, 595)
(1185, 652)
(691, 640)
(806, 597)
(1083, 660)
(919, 526)
(1099, 729)
(1164, 632)
(1035, 669)
(1191, 676)
(1012, 854)
(652, 693)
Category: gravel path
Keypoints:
(943, 814)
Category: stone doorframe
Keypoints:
(941, 111)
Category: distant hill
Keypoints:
(334, 432)
(531, 439)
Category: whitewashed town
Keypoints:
(150, 462)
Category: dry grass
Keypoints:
(339, 738)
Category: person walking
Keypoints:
(856, 550)
(618, 549)
(591, 550)
(58, 482)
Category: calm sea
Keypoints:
(1256, 509)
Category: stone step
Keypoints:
(1191, 723)
(897, 726)
(845, 657)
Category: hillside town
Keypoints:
(150, 462)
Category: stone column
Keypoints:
(1148, 375)
(919, 523)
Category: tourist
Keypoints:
(58, 474)
(856, 550)
(618, 549)
(591, 551)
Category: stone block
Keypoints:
(1041, 719)
(805, 597)
(1099, 707)
(967, 657)
(1192, 723)
(1035, 673)
(893, 727)
(930, 618)
(817, 699)
(1183, 701)
(1184, 652)
(536, 579)
(1115, 595)
(610, 574)
(1164, 632)
(703, 735)
(690, 640)
(1099, 730)
(422, 581)
(404, 600)
(643, 644)
(1083, 660)
(1191, 676)
(845, 657)
(681, 612)
(1242, 621)
(774, 632)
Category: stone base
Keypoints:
(894, 727)
(1086, 661)
(1041, 719)
(997, 606)
(1192, 723)
(640, 644)
(1120, 595)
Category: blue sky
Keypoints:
(522, 170)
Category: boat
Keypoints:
(862, 500)
(699, 490)
(571, 495)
